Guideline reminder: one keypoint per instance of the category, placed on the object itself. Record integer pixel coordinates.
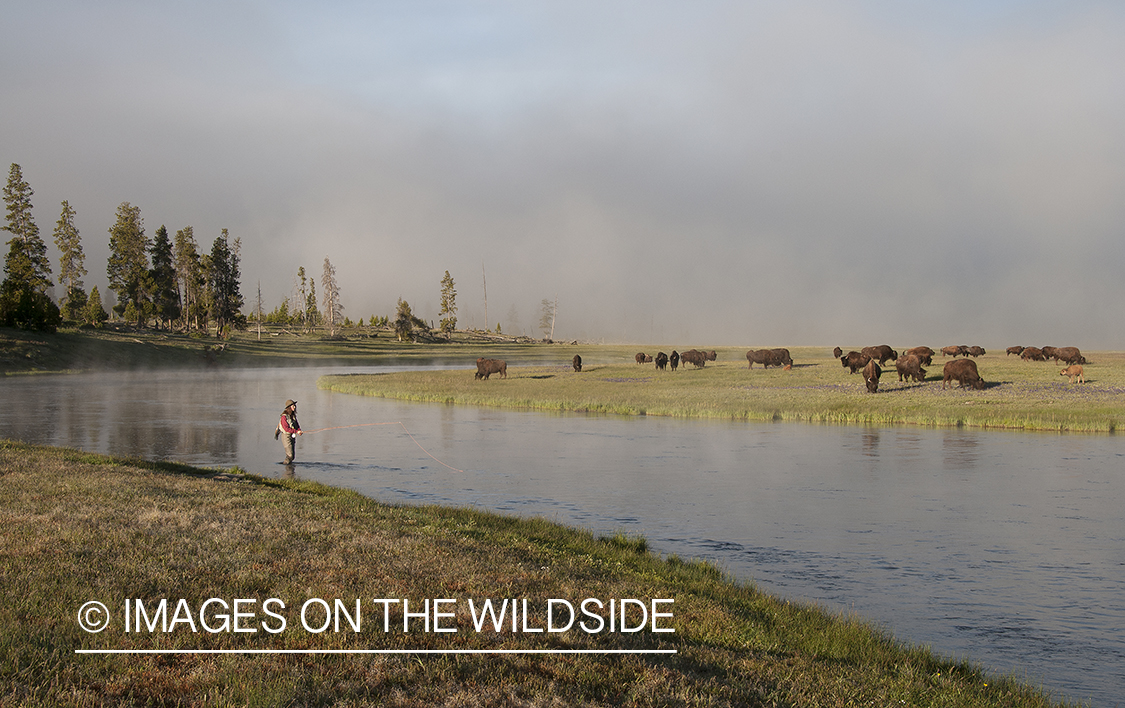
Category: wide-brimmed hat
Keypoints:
(290, 402)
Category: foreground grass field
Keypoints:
(1019, 395)
(81, 527)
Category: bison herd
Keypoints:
(869, 360)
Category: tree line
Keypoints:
(166, 281)
(169, 282)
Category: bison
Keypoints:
(674, 360)
(854, 360)
(577, 362)
(1032, 354)
(661, 360)
(953, 350)
(837, 353)
(769, 357)
(1074, 371)
(711, 355)
(963, 371)
(1070, 355)
(1049, 353)
(909, 366)
(697, 358)
(487, 367)
(882, 353)
(975, 351)
(871, 374)
(640, 357)
(925, 355)
(1017, 350)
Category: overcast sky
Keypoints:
(682, 174)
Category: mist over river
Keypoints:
(1004, 548)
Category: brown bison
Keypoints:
(769, 357)
(661, 360)
(925, 355)
(871, 374)
(1049, 353)
(854, 360)
(975, 351)
(837, 353)
(1032, 354)
(1017, 350)
(640, 358)
(487, 367)
(1070, 355)
(674, 360)
(577, 362)
(697, 358)
(964, 371)
(711, 355)
(1074, 371)
(882, 353)
(909, 366)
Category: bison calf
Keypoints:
(963, 371)
(1074, 371)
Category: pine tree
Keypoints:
(95, 313)
(333, 310)
(448, 312)
(127, 266)
(300, 308)
(24, 301)
(72, 264)
(404, 322)
(165, 293)
(189, 277)
(312, 315)
(223, 277)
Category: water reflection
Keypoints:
(1005, 548)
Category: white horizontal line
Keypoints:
(375, 651)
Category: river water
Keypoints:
(1007, 549)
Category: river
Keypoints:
(1003, 548)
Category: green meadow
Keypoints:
(81, 527)
(1019, 394)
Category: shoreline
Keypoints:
(122, 528)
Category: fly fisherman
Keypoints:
(289, 428)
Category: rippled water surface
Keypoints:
(1004, 548)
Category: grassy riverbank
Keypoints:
(82, 527)
(1020, 394)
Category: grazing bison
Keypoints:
(964, 371)
(769, 357)
(487, 367)
(871, 374)
(953, 350)
(1017, 350)
(854, 360)
(661, 360)
(882, 353)
(925, 355)
(975, 351)
(577, 362)
(674, 360)
(640, 357)
(1074, 371)
(837, 353)
(1032, 354)
(697, 358)
(909, 366)
(1070, 355)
